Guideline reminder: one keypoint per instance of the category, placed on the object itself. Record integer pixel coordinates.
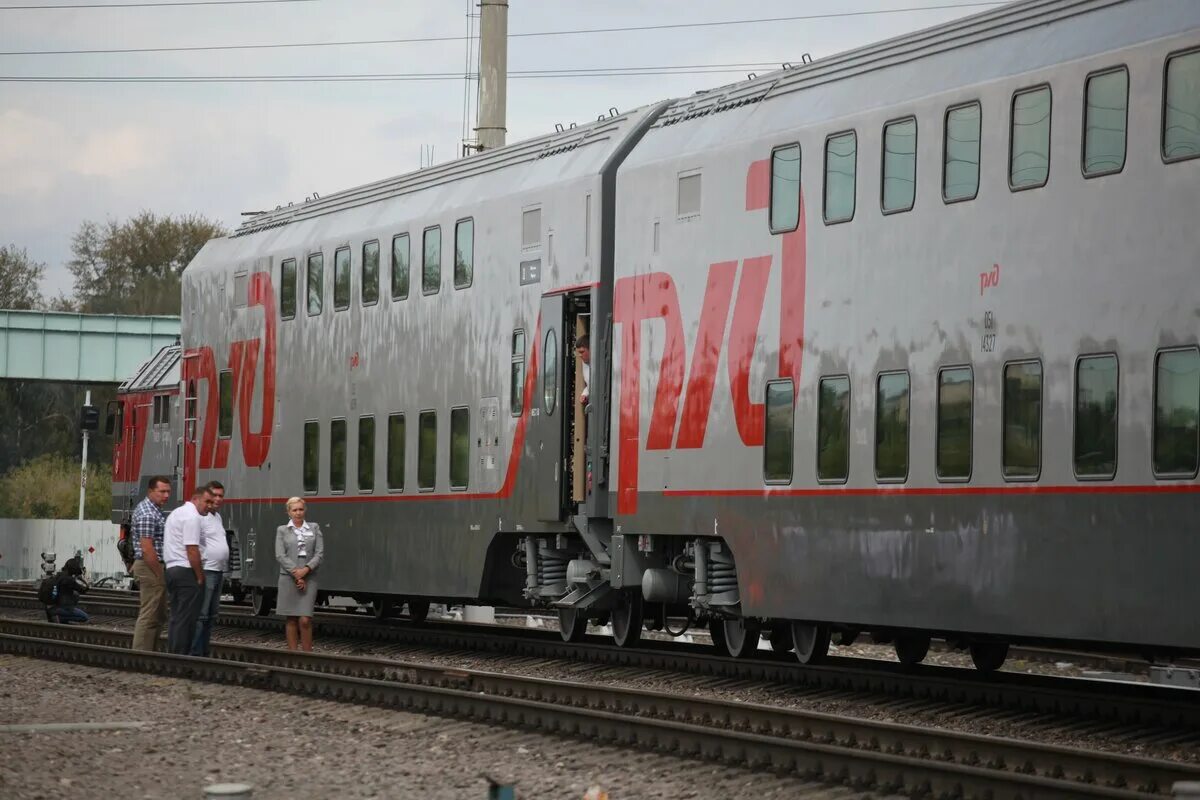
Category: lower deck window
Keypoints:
(427, 450)
(891, 427)
(777, 438)
(833, 429)
(1176, 409)
(460, 447)
(337, 455)
(1096, 417)
(366, 454)
(312, 455)
(1022, 419)
(395, 453)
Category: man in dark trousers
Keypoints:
(69, 584)
(182, 536)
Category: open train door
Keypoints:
(547, 412)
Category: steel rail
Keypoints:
(1119, 701)
(870, 754)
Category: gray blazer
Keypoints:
(285, 548)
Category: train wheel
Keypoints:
(627, 619)
(716, 628)
(741, 637)
(571, 624)
(911, 648)
(812, 642)
(781, 638)
(262, 602)
(418, 610)
(989, 656)
(383, 607)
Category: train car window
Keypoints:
(1022, 419)
(1029, 139)
(460, 447)
(341, 279)
(891, 426)
(225, 396)
(166, 410)
(898, 190)
(395, 452)
(688, 195)
(427, 450)
(287, 289)
(1105, 117)
(366, 454)
(312, 455)
(550, 374)
(785, 188)
(516, 387)
(841, 164)
(400, 262)
(370, 273)
(1096, 417)
(464, 253)
(431, 261)
(1176, 411)
(337, 455)
(960, 165)
(316, 283)
(780, 426)
(157, 409)
(954, 414)
(531, 228)
(1181, 107)
(833, 429)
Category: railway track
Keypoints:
(865, 754)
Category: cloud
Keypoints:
(118, 152)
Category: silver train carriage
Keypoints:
(900, 342)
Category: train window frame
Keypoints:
(407, 267)
(937, 427)
(403, 462)
(791, 438)
(1162, 475)
(1012, 130)
(349, 272)
(907, 426)
(315, 460)
(425, 290)
(1084, 123)
(225, 420)
(283, 284)
(345, 428)
(1098, 476)
(825, 179)
(849, 415)
(462, 412)
(771, 187)
(319, 259)
(1162, 136)
(550, 370)
(421, 415)
(683, 186)
(470, 264)
(1004, 419)
(978, 152)
(883, 164)
(516, 389)
(362, 274)
(359, 460)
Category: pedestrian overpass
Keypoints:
(79, 348)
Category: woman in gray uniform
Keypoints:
(299, 549)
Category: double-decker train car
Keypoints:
(903, 342)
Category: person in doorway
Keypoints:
(299, 549)
(147, 530)
(215, 547)
(182, 539)
(70, 585)
(583, 349)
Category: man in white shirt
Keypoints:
(185, 569)
(214, 548)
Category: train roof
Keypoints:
(159, 371)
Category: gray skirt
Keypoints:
(291, 602)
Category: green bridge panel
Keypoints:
(79, 348)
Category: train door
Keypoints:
(546, 414)
(487, 446)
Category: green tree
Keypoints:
(134, 267)
(20, 279)
(47, 487)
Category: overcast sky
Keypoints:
(71, 152)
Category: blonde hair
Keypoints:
(292, 501)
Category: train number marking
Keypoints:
(987, 341)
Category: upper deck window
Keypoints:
(464, 253)
(287, 289)
(431, 261)
(688, 194)
(785, 188)
(841, 162)
(400, 261)
(1029, 140)
(370, 273)
(316, 283)
(960, 168)
(899, 189)
(1181, 107)
(1106, 109)
(341, 279)
(531, 228)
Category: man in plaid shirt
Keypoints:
(147, 530)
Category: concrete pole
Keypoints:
(493, 73)
(87, 401)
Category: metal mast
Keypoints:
(493, 73)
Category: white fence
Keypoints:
(22, 542)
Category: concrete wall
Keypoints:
(22, 541)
